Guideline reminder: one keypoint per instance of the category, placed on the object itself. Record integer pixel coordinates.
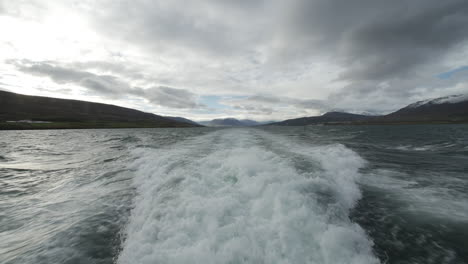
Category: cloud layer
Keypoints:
(273, 59)
(109, 85)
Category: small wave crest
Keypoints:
(427, 147)
(226, 197)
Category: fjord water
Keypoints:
(322, 194)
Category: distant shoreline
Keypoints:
(402, 123)
(80, 125)
(121, 125)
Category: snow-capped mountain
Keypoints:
(451, 99)
(330, 117)
(448, 109)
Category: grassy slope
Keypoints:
(73, 114)
(80, 125)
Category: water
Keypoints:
(331, 194)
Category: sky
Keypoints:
(256, 59)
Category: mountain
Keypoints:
(222, 122)
(449, 109)
(330, 117)
(248, 122)
(183, 120)
(230, 122)
(63, 113)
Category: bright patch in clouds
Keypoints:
(264, 60)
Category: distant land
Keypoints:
(330, 117)
(36, 112)
(231, 122)
(182, 120)
(449, 109)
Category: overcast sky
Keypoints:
(264, 60)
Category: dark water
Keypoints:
(330, 194)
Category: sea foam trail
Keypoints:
(228, 197)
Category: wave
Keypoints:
(433, 194)
(429, 147)
(245, 196)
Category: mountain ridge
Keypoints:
(183, 120)
(67, 113)
(447, 109)
(231, 122)
(329, 117)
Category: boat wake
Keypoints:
(245, 196)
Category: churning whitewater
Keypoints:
(245, 196)
(318, 194)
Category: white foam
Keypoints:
(427, 147)
(413, 148)
(225, 198)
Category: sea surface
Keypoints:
(317, 194)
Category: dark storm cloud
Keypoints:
(109, 86)
(378, 39)
(393, 47)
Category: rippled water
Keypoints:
(332, 194)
